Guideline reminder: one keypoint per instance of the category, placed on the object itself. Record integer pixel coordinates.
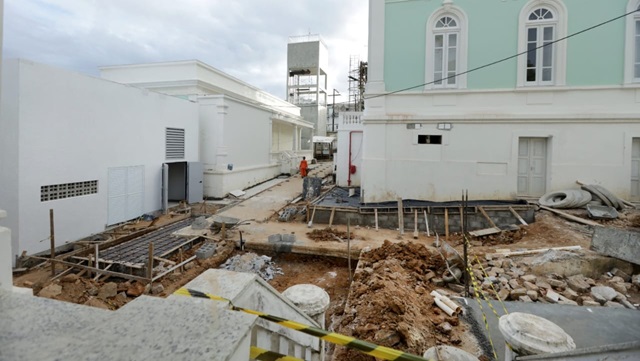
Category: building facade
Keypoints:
(443, 113)
(247, 136)
(90, 149)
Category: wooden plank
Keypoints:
(570, 217)
(461, 220)
(87, 268)
(515, 214)
(400, 216)
(104, 276)
(375, 212)
(486, 216)
(536, 251)
(426, 222)
(446, 224)
(168, 261)
(485, 232)
(313, 215)
(333, 212)
(415, 224)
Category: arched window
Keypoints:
(445, 55)
(446, 49)
(541, 32)
(632, 58)
(542, 22)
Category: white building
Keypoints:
(247, 135)
(349, 156)
(92, 150)
(567, 110)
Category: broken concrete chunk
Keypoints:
(525, 299)
(543, 284)
(157, 288)
(590, 303)
(50, 291)
(94, 302)
(636, 280)
(557, 284)
(514, 284)
(503, 294)
(613, 304)
(616, 279)
(620, 287)
(530, 286)
(602, 294)
(199, 223)
(552, 296)
(69, 278)
(533, 295)
(578, 283)
(517, 293)
(445, 328)
(565, 301)
(570, 294)
(621, 274)
(529, 278)
(109, 290)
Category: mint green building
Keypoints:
(506, 98)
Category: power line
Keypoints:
(507, 58)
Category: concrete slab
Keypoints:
(588, 326)
(617, 243)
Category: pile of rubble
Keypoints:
(252, 263)
(511, 281)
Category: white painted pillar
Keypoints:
(375, 71)
(296, 141)
(6, 275)
(222, 150)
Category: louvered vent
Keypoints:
(175, 143)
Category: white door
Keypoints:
(126, 193)
(532, 167)
(635, 169)
(195, 187)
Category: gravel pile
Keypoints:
(252, 263)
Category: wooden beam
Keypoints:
(375, 212)
(87, 268)
(484, 213)
(179, 265)
(570, 217)
(400, 216)
(515, 214)
(535, 251)
(446, 224)
(426, 222)
(415, 224)
(333, 212)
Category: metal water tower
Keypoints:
(307, 61)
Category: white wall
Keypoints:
(349, 123)
(482, 156)
(73, 128)
(237, 133)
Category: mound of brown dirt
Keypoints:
(390, 305)
(328, 235)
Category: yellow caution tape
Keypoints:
(260, 354)
(365, 347)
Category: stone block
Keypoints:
(636, 280)
(533, 295)
(108, 290)
(517, 293)
(617, 243)
(543, 284)
(69, 278)
(529, 278)
(50, 291)
(570, 294)
(616, 279)
(602, 294)
(620, 287)
(525, 299)
(552, 296)
(503, 294)
(530, 286)
(578, 283)
(557, 284)
(613, 304)
(590, 303)
(157, 288)
(513, 283)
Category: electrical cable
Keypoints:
(504, 59)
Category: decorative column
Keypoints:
(313, 301)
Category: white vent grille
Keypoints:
(67, 190)
(175, 143)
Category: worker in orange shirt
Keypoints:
(303, 167)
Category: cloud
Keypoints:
(245, 38)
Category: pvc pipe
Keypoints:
(447, 301)
(444, 307)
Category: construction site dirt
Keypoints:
(389, 301)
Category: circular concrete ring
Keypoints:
(615, 202)
(598, 194)
(448, 353)
(559, 199)
(531, 335)
(311, 299)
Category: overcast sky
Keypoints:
(245, 38)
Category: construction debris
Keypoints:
(252, 263)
